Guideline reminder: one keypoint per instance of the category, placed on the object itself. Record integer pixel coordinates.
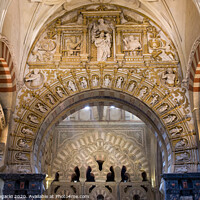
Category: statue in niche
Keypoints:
(107, 81)
(59, 92)
(181, 143)
(32, 118)
(51, 99)
(21, 156)
(73, 45)
(34, 80)
(83, 82)
(176, 131)
(163, 108)
(103, 45)
(169, 77)
(131, 86)
(182, 157)
(23, 143)
(41, 107)
(27, 131)
(169, 119)
(131, 43)
(154, 99)
(142, 92)
(71, 86)
(119, 82)
(95, 81)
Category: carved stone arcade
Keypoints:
(102, 50)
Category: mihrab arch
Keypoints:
(102, 54)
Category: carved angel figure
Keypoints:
(32, 118)
(169, 77)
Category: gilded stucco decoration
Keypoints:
(103, 47)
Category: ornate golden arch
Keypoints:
(136, 69)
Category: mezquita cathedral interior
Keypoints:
(100, 99)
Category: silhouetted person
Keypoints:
(111, 175)
(124, 175)
(75, 176)
(144, 176)
(89, 175)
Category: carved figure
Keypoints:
(170, 119)
(73, 44)
(32, 118)
(154, 99)
(23, 143)
(103, 47)
(180, 144)
(107, 81)
(155, 45)
(71, 86)
(21, 156)
(26, 130)
(35, 79)
(170, 77)
(182, 157)
(102, 26)
(95, 81)
(168, 51)
(51, 99)
(41, 107)
(131, 43)
(131, 86)
(163, 108)
(60, 92)
(83, 83)
(119, 82)
(143, 91)
(176, 131)
(37, 56)
(182, 169)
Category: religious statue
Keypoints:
(180, 144)
(27, 131)
(103, 45)
(119, 82)
(163, 108)
(71, 86)
(59, 92)
(142, 92)
(169, 119)
(51, 99)
(182, 157)
(107, 81)
(32, 118)
(41, 107)
(131, 86)
(95, 81)
(21, 156)
(34, 80)
(83, 83)
(131, 43)
(154, 99)
(169, 77)
(23, 143)
(176, 131)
